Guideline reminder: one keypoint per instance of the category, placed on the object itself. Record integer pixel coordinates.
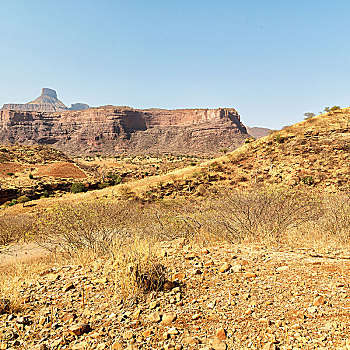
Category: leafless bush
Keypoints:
(96, 226)
(14, 228)
(262, 213)
(335, 221)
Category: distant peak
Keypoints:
(48, 92)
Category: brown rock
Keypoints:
(168, 319)
(225, 267)
(79, 329)
(155, 316)
(218, 344)
(249, 275)
(69, 286)
(221, 334)
(191, 340)
(117, 346)
(269, 346)
(128, 335)
(319, 300)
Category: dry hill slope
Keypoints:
(314, 152)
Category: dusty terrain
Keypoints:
(229, 297)
(286, 290)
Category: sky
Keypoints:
(272, 60)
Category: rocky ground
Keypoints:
(227, 297)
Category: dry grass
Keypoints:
(14, 228)
(132, 232)
(16, 275)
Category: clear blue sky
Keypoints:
(272, 60)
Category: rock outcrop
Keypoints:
(46, 102)
(110, 130)
(78, 106)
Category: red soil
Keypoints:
(6, 168)
(61, 170)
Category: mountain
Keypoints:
(258, 132)
(46, 102)
(110, 129)
(314, 153)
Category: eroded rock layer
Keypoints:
(111, 129)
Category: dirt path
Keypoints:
(21, 252)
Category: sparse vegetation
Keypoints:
(77, 187)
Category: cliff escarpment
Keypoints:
(110, 129)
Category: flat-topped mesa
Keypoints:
(46, 102)
(111, 129)
(49, 92)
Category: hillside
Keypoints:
(257, 269)
(314, 153)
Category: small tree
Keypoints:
(334, 108)
(326, 109)
(309, 115)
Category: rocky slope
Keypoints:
(228, 297)
(110, 129)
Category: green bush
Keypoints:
(10, 174)
(113, 179)
(46, 193)
(77, 187)
(23, 199)
(308, 180)
(31, 176)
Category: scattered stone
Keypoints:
(249, 275)
(173, 330)
(221, 334)
(225, 267)
(155, 316)
(218, 344)
(269, 346)
(168, 319)
(236, 268)
(191, 340)
(282, 268)
(69, 286)
(319, 300)
(79, 329)
(154, 304)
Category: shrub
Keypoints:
(114, 179)
(10, 174)
(334, 108)
(77, 187)
(46, 194)
(278, 138)
(31, 176)
(14, 228)
(23, 199)
(258, 214)
(309, 115)
(249, 140)
(193, 163)
(308, 180)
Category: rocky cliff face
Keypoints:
(46, 102)
(109, 130)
